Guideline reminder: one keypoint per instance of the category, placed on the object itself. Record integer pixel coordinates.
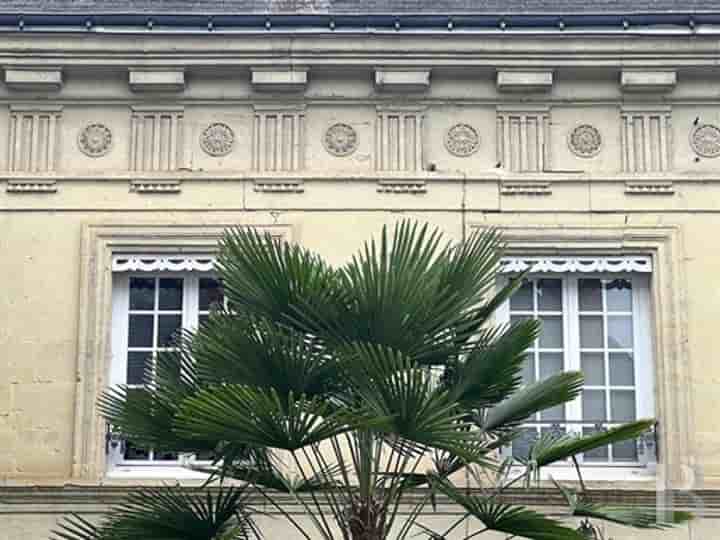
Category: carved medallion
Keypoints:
(705, 140)
(340, 140)
(217, 139)
(95, 140)
(585, 141)
(462, 140)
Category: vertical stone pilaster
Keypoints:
(33, 138)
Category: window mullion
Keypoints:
(572, 352)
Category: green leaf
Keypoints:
(555, 390)
(552, 448)
(508, 519)
(75, 527)
(261, 417)
(637, 517)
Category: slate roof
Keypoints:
(360, 7)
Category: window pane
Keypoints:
(528, 371)
(137, 363)
(593, 367)
(550, 364)
(210, 293)
(590, 294)
(551, 336)
(553, 413)
(168, 326)
(171, 294)
(549, 294)
(599, 454)
(622, 369)
(522, 299)
(135, 452)
(142, 293)
(591, 332)
(593, 405)
(522, 443)
(202, 319)
(622, 405)
(620, 330)
(140, 331)
(625, 451)
(619, 295)
(164, 455)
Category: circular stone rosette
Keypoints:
(217, 139)
(95, 140)
(705, 140)
(585, 141)
(340, 140)
(462, 140)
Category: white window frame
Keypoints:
(117, 466)
(644, 369)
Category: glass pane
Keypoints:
(555, 430)
(142, 293)
(625, 451)
(619, 295)
(168, 325)
(515, 319)
(590, 295)
(599, 454)
(522, 443)
(171, 294)
(164, 455)
(591, 332)
(550, 364)
(551, 334)
(620, 330)
(140, 331)
(549, 294)
(202, 319)
(135, 452)
(553, 413)
(622, 405)
(528, 371)
(593, 367)
(622, 369)
(137, 363)
(593, 405)
(210, 293)
(522, 299)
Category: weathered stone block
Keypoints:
(157, 80)
(291, 79)
(648, 81)
(524, 81)
(37, 79)
(402, 80)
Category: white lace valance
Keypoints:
(577, 264)
(162, 263)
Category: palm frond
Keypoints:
(170, 513)
(508, 519)
(551, 448)
(555, 390)
(630, 516)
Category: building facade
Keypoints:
(131, 136)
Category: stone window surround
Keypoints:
(664, 244)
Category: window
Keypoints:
(597, 323)
(149, 309)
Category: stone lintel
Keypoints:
(524, 81)
(157, 80)
(402, 80)
(40, 78)
(288, 79)
(647, 81)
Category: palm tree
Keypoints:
(351, 387)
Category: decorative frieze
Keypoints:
(402, 186)
(155, 186)
(462, 140)
(34, 78)
(95, 140)
(340, 140)
(523, 138)
(659, 187)
(156, 138)
(524, 81)
(157, 80)
(399, 139)
(278, 138)
(585, 141)
(278, 186)
(523, 187)
(646, 139)
(561, 265)
(33, 137)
